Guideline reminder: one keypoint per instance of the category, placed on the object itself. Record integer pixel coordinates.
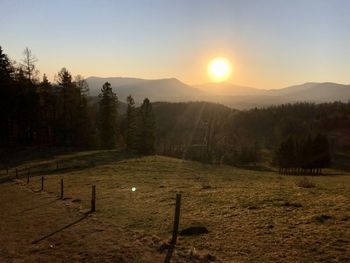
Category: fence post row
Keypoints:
(175, 229)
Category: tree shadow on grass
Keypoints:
(85, 216)
(259, 168)
(326, 174)
(323, 174)
(5, 179)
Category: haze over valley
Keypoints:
(239, 97)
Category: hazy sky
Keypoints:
(270, 43)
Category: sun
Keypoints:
(219, 69)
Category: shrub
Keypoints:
(305, 183)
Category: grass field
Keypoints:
(252, 216)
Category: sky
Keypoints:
(270, 43)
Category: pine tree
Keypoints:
(286, 156)
(47, 110)
(7, 97)
(307, 154)
(67, 107)
(27, 108)
(84, 124)
(132, 138)
(146, 128)
(107, 118)
(73, 110)
(324, 157)
(290, 154)
(5, 67)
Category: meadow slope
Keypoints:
(252, 216)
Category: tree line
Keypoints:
(61, 114)
(203, 132)
(135, 131)
(213, 133)
(303, 155)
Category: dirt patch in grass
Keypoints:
(322, 218)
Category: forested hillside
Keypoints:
(36, 112)
(215, 133)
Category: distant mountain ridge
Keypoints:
(240, 97)
(170, 89)
(228, 89)
(318, 92)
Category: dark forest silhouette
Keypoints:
(303, 155)
(62, 114)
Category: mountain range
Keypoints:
(240, 97)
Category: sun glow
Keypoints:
(219, 69)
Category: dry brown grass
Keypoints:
(252, 216)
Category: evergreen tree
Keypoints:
(107, 118)
(146, 128)
(47, 110)
(84, 123)
(7, 97)
(73, 109)
(304, 153)
(132, 138)
(5, 67)
(27, 101)
(64, 125)
(323, 156)
(286, 155)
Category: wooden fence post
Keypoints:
(42, 183)
(61, 188)
(175, 229)
(93, 198)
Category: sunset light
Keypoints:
(219, 69)
(175, 131)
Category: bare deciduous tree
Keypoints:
(81, 84)
(28, 65)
